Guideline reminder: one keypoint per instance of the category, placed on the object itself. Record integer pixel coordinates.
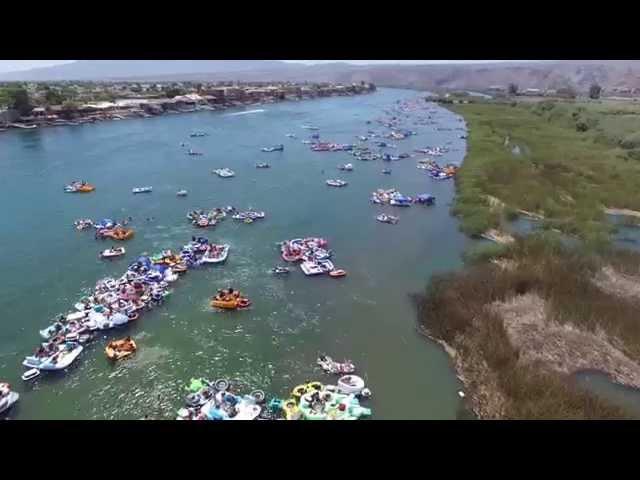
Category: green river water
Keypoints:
(366, 316)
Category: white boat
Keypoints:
(311, 268)
(7, 397)
(387, 218)
(182, 193)
(142, 190)
(336, 183)
(224, 172)
(30, 374)
(347, 167)
(113, 252)
(350, 384)
(220, 257)
(310, 127)
(326, 265)
(279, 270)
(58, 361)
(291, 135)
(276, 148)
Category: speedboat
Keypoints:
(224, 172)
(275, 148)
(194, 153)
(142, 190)
(291, 135)
(112, 252)
(216, 254)
(386, 171)
(330, 366)
(337, 183)
(387, 218)
(346, 167)
(311, 268)
(30, 374)
(310, 127)
(197, 134)
(263, 165)
(7, 397)
(181, 193)
(279, 270)
(60, 360)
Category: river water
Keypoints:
(366, 316)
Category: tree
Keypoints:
(594, 91)
(173, 92)
(19, 100)
(53, 97)
(513, 89)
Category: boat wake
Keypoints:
(244, 113)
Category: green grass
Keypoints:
(452, 309)
(575, 158)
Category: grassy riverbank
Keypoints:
(564, 161)
(524, 317)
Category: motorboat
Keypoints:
(275, 148)
(263, 165)
(347, 167)
(198, 134)
(30, 374)
(311, 268)
(83, 223)
(113, 252)
(79, 187)
(280, 270)
(336, 183)
(224, 172)
(7, 397)
(182, 193)
(350, 384)
(290, 135)
(310, 127)
(216, 254)
(386, 171)
(194, 153)
(142, 190)
(325, 265)
(330, 366)
(384, 218)
(248, 215)
(338, 273)
(60, 360)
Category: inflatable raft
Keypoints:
(119, 349)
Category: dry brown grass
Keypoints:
(519, 331)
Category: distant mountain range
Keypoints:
(540, 74)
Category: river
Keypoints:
(366, 316)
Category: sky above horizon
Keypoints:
(18, 65)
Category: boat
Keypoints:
(30, 374)
(7, 397)
(325, 265)
(117, 233)
(350, 384)
(198, 134)
(384, 218)
(250, 215)
(83, 223)
(336, 183)
(263, 165)
(119, 349)
(386, 171)
(290, 135)
(230, 301)
(194, 153)
(216, 254)
(279, 270)
(425, 199)
(347, 167)
(330, 366)
(113, 252)
(275, 148)
(311, 268)
(142, 190)
(182, 193)
(337, 273)
(310, 127)
(224, 172)
(79, 187)
(60, 360)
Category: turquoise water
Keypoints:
(366, 316)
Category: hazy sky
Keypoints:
(14, 65)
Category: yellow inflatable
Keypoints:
(119, 233)
(291, 410)
(119, 349)
(86, 188)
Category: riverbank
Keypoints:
(520, 322)
(561, 163)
